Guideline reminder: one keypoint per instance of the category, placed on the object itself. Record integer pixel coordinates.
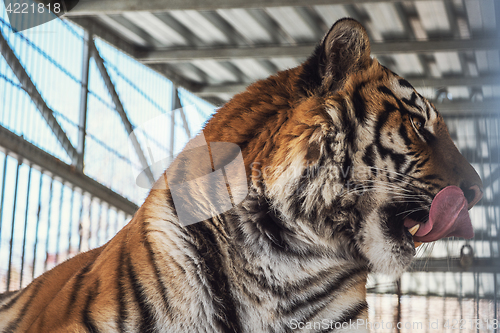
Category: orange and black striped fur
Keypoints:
(335, 150)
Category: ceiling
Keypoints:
(448, 49)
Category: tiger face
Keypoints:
(414, 184)
(365, 164)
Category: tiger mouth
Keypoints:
(413, 230)
(448, 216)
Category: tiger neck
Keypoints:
(272, 266)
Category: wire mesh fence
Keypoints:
(45, 221)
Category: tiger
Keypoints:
(348, 169)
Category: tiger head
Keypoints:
(351, 156)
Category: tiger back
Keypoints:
(348, 170)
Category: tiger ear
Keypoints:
(344, 50)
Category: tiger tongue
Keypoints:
(448, 217)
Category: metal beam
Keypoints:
(107, 34)
(128, 30)
(221, 89)
(176, 78)
(113, 38)
(487, 80)
(304, 50)
(181, 111)
(16, 146)
(37, 99)
(488, 107)
(92, 7)
(224, 53)
(121, 111)
(187, 34)
(455, 108)
(482, 265)
(175, 105)
(84, 91)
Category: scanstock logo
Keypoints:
(205, 179)
(26, 14)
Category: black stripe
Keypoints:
(404, 134)
(352, 314)
(422, 163)
(412, 102)
(15, 323)
(264, 222)
(261, 224)
(399, 160)
(349, 317)
(122, 310)
(427, 111)
(432, 177)
(160, 285)
(206, 244)
(381, 121)
(401, 108)
(348, 127)
(410, 167)
(77, 286)
(147, 318)
(8, 294)
(405, 83)
(13, 300)
(326, 292)
(369, 156)
(428, 136)
(386, 91)
(359, 103)
(86, 313)
(347, 172)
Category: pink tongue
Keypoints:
(448, 217)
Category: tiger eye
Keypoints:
(417, 123)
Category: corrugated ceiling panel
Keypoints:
(463, 28)
(448, 62)
(385, 19)
(292, 23)
(276, 25)
(481, 14)
(433, 15)
(251, 68)
(458, 93)
(156, 28)
(487, 61)
(418, 29)
(491, 92)
(189, 71)
(132, 36)
(285, 63)
(427, 92)
(225, 97)
(215, 70)
(200, 26)
(331, 13)
(246, 25)
(408, 64)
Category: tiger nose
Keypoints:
(473, 194)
